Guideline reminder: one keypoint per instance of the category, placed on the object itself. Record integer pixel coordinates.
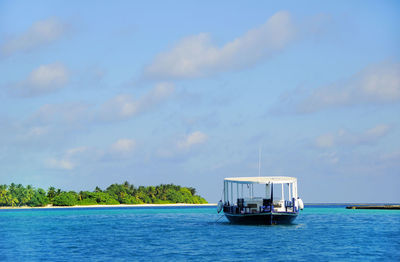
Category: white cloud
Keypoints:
(345, 138)
(30, 134)
(124, 106)
(326, 140)
(59, 164)
(330, 157)
(68, 161)
(75, 151)
(121, 106)
(192, 139)
(78, 115)
(123, 146)
(61, 114)
(156, 95)
(49, 75)
(376, 84)
(39, 34)
(395, 156)
(165, 153)
(42, 80)
(180, 149)
(37, 131)
(76, 157)
(196, 56)
(377, 131)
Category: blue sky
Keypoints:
(98, 92)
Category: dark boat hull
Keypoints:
(262, 218)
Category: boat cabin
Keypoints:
(251, 195)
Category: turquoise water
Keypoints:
(162, 234)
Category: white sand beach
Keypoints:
(120, 205)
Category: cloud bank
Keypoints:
(196, 56)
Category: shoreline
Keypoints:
(103, 206)
(350, 203)
(347, 205)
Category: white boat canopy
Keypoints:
(261, 180)
(269, 181)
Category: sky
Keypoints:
(187, 92)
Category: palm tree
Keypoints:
(80, 195)
(151, 192)
(12, 188)
(14, 201)
(51, 193)
(25, 194)
(3, 193)
(31, 191)
(10, 199)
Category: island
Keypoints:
(16, 195)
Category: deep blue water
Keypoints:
(160, 234)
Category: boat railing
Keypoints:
(267, 206)
(289, 206)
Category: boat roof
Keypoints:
(261, 180)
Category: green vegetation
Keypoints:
(18, 195)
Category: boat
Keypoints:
(242, 205)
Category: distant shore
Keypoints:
(388, 207)
(120, 205)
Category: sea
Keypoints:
(320, 233)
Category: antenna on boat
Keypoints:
(259, 161)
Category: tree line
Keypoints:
(17, 195)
